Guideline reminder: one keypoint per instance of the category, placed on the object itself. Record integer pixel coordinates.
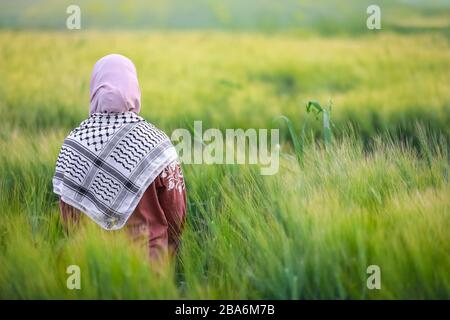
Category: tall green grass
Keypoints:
(307, 232)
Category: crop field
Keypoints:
(377, 195)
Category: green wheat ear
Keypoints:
(296, 141)
(315, 108)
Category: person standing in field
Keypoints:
(119, 169)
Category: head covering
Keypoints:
(108, 161)
(114, 86)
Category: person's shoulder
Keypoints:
(152, 127)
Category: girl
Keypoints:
(119, 169)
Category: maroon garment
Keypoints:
(159, 216)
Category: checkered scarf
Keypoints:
(106, 164)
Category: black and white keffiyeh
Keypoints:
(106, 164)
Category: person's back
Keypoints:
(119, 169)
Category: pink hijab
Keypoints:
(114, 86)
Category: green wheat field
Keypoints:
(377, 195)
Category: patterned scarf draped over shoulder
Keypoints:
(106, 164)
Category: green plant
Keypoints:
(315, 108)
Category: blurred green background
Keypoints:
(324, 16)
